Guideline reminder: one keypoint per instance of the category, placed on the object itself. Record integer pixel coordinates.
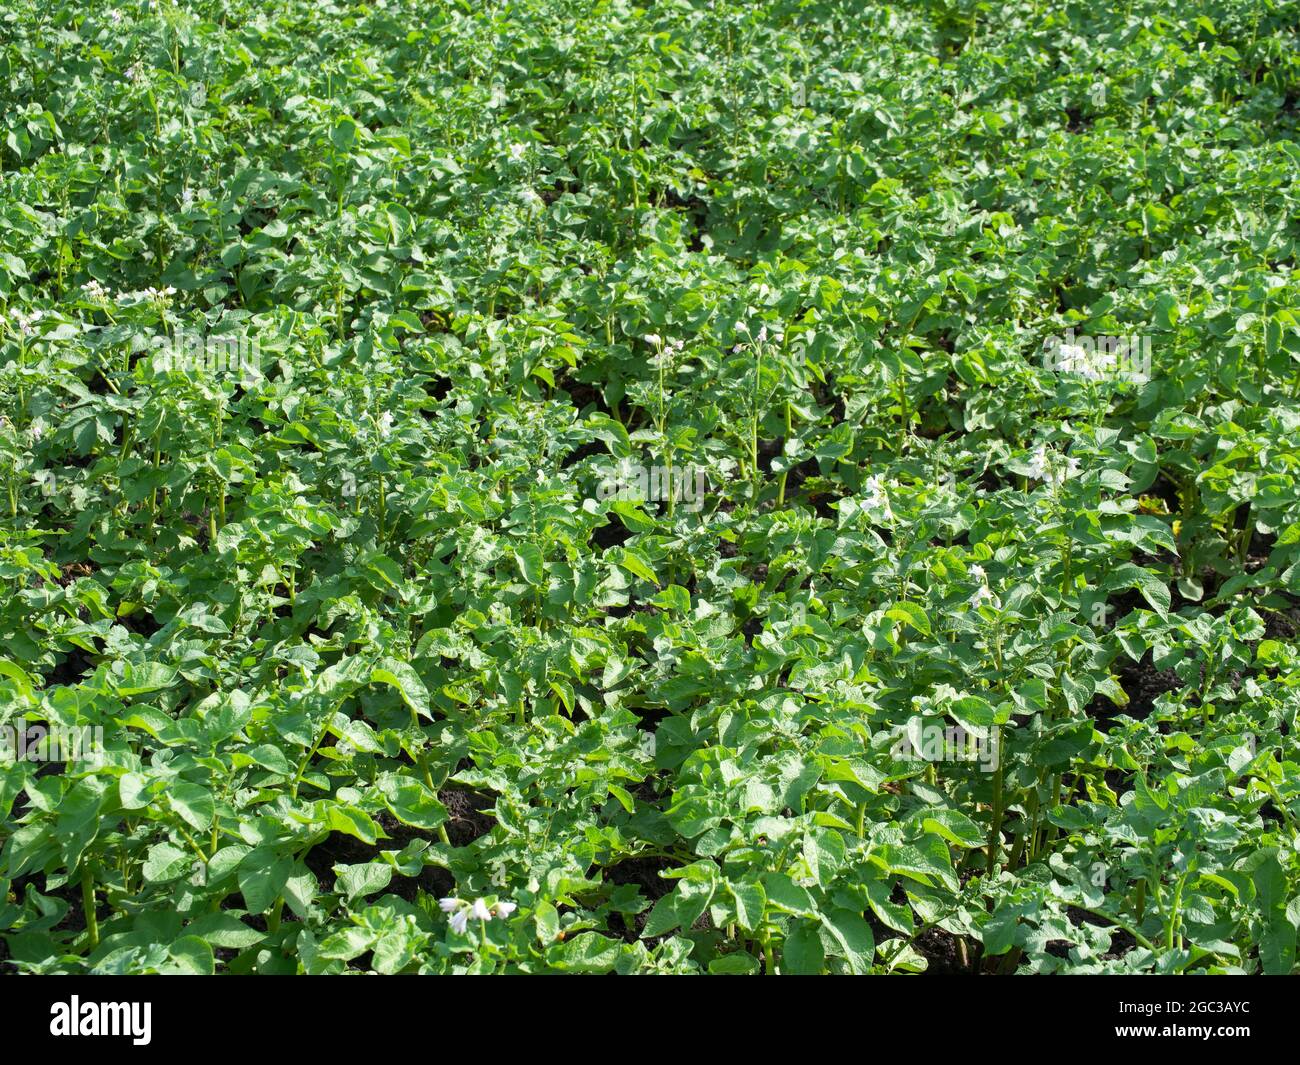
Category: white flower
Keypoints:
(533, 201)
(1076, 359)
(385, 424)
(876, 497)
(115, 17)
(1038, 463)
(517, 151)
(448, 904)
(159, 295)
(977, 571)
(1051, 467)
(480, 911)
(1072, 357)
(37, 429)
(96, 291)
(982, 595)
(27, 322)
(187, 199)
(654, 340)
(459, 921)
(762, 334)
(505, 909)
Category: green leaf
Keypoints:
(262, 874)
(193, 803)
(954, 826)
(192, 955)
(751, 901)
(802, 953)
(853, 935)
(165, 862)
(352, 821)
(532, 565)
(735, 964)
(402, 677)
(364, 879)
(636, 565)
(910, 614)
(584, 953)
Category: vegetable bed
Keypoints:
(703, 487)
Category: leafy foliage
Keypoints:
(362, 630)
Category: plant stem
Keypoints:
(995, 825)
(88, 906)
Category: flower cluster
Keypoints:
(763, 335)
(876, 497)
(26, 323)
(983, 594)
(461, 911)
(664, 352)
(1074, 359)
(1045, 466)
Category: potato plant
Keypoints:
(696, 487)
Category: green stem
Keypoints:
(780, 497)
(88, 906)
(306, 758)
(1171, 929)
(995, 825)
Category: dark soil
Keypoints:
(943, 951)
(468, 818)
(1142, 683)
(341, 849)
